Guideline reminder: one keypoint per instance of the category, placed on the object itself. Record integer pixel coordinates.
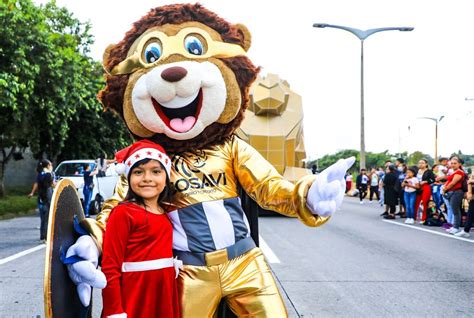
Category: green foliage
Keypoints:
(416, 156)
(373, 160)
(94, 131)
(13, 205)
(468, 159)
(48, 86)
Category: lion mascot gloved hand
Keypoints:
(180, 77)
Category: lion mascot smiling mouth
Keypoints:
(180, 77)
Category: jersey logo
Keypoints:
(194, 178)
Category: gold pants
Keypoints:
(246, 283)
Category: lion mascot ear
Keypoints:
(106, 57)
(245, 35)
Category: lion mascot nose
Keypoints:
(174, 74)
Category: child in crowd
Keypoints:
(434, 216)
(138, 259)
(410, 184)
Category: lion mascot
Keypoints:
(180, 77)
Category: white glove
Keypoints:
(178, 264)
(85, 273)
(326, 193)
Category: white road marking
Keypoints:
(18, 255)
(267, 251)
(431, 231)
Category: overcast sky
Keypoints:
(424, 73)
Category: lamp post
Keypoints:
(436, 120)
(361, 35)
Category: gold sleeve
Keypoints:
(268, 188)
(96, 228)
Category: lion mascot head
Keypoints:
(180, 77)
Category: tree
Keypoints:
(414, 157)
(372, 159)
(93, 131)
(48, 85)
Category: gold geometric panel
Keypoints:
(273, 125)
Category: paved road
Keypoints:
(356, 265)
(359, 266)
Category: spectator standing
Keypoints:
(102, 164)
(410, 184)
(374, 185)
(44, 184)
(402, 170)
(348, 179)
(444, 171)
(470, 211)
(362, 181)
(381, 174)
(436, 187)
(453, 192)
(390, 184)
(88, 186)
(39, 170)
(426, 177)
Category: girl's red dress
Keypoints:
(136, 235)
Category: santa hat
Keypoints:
(143, 149)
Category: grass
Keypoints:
(16, 203)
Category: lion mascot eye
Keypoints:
(152, 52)
(194, 45)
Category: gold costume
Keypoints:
(206, 187)
(246, 282)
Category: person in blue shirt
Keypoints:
(88, 187)
(44, 185)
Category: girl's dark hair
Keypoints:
(133, 197)
(414, 170)
(43, 163)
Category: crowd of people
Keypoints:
(440, 195)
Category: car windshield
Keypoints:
(72, 169)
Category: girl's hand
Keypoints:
(469, 196)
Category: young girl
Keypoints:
(410, 185)
(137, 252)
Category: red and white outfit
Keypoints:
(135, 236)
(137, 257)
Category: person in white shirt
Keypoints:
(374, 185)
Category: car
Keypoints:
(103, 185)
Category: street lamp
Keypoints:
(361, 35)
(436, 120)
